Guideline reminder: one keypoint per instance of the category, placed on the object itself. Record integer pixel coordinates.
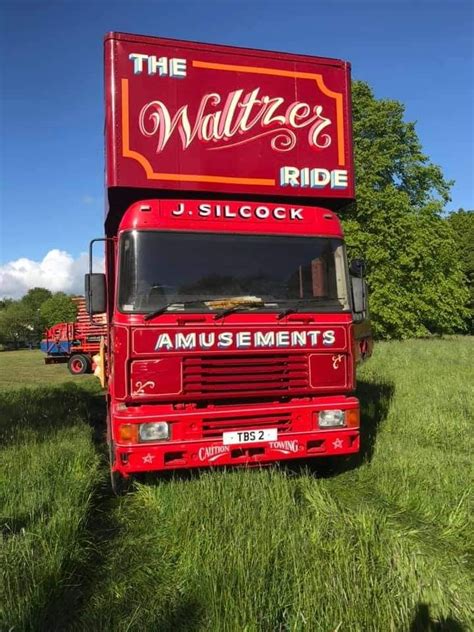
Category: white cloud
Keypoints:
(57, 271)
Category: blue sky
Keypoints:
(419, 52)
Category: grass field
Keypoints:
(384, 544)
(27, 368)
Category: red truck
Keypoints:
(235, 320)
(75, 343)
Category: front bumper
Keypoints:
(145, 458)
(188, 449)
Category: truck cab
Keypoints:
(232, 337)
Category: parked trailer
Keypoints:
(75, 343)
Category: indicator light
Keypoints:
(128, 433)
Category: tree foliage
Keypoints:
(415, 277)
(35, 297)
(33, 300)
(59, 308)
(462, 222)
(16, 324)
(23, 322)
(5, 302)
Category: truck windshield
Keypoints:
(267, 271)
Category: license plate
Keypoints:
(250, 436)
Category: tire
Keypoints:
(119, 484)
(78, 364)
(89, 363)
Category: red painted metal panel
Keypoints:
(329, 370)
(230, 375)
(243, 339)
(118, 356)
(196, 363)
(230, 216)
(194, 117)
(159, 376)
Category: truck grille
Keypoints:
(212, 428)
(245, 375)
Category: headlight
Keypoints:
(331, 418)
(156, 431)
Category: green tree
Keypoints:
(415, 278)
(33, 299)
(462, 223)
(5, 302)
(58, 309)
(16, 324)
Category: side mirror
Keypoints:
(357, 268)
(95, 293)
(359, 294)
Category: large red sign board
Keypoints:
(203, 118)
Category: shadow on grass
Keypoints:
(67, 599)
(14, 525)
(39, 412)
(375, 399)
(422, 622)
(31, 416)
(69, 607)
(35, 415)
(186, 617)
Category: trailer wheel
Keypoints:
(78, 364)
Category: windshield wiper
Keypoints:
(286, 312)
(165, 308)
(305, 303)
(235, 308)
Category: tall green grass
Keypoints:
(49, 472)
(383, 542)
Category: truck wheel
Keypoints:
(78, 364)
(119, 484)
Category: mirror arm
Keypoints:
(91, 248)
